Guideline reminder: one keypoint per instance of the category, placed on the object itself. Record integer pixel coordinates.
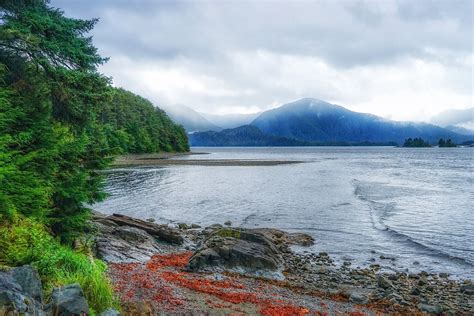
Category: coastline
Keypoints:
(165, 159)
(163, 268)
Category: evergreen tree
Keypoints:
(60, 120)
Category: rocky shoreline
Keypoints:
(222, 270)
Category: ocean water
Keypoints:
(412, 205)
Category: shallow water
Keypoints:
(413, 205)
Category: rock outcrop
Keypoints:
(243, 249)
(161, 232)
(124, 239)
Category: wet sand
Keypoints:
(164, 159)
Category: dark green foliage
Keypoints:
(133, 125)
(446, 143)
(60, 121)
(50, 93)
(416, 142)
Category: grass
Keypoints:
(24, 241)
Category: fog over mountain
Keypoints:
(191, 120)
(459, 120)
(230, 120)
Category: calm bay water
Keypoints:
(414, 206)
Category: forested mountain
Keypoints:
(246, 135)
(318, 121)
(133, 125)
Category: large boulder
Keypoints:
(28, 278)
(161, 232)
(14, 300)
(244, 249)
(69, 300)
(122, 238)
(124, 244)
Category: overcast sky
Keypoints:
(405, 60)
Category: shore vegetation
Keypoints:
(61, 122)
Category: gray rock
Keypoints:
(13, 301)
(161, 232)
(358, 298)
(280, 237)
(431, 309)
(124, 244)
(237, 248)
(69, 300)
(415, 291)
(110, 312)
(228, 223)
(7, 282)
(183, 226)
(383, 283)
(28, 278)
(467, 289)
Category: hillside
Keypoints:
(133, 125)
(318, 121)
(246, 135)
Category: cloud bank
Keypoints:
(398, 59)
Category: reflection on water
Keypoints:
(358, 203)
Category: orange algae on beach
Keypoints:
(160, 279)
(177, 260)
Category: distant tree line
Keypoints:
(446, 143)
(416, 142)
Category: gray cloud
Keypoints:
(257, 54)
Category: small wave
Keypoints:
(380, 211)
(438, 253)
(248, 218)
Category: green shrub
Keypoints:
(23, 241)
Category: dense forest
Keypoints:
(61, 122)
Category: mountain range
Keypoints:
(315, 122)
